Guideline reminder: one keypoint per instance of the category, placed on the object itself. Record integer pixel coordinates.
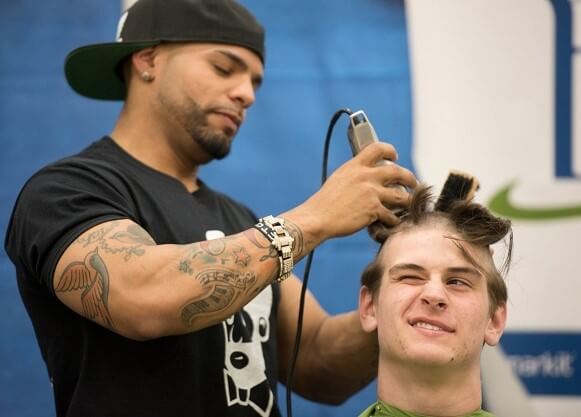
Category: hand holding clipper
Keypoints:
(361, 133)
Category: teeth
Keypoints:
(427, 326)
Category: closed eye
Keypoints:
(221, 70)
(229, 63)
(410, 279)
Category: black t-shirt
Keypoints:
(229, 369)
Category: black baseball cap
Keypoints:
(93, 70)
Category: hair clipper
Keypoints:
(360, 132)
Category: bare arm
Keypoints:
(116, 275)
(336, 357)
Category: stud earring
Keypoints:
(146, 76)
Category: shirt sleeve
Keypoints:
(57, 205)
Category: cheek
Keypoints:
(187, 90)
(391, 306)
(404, 300)
(474, 318)
(390, 318)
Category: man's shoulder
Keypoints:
(88, 155)
(85, 171)
(98, 157)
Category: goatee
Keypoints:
(194, 120)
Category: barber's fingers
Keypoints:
(395, 197)
(375, 152)
(393, 174)
(391, 199)
(387, 217)
(382, 155)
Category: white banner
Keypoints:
(496, 93)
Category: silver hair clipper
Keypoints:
(361, 133)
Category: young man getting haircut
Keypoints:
(434, 297)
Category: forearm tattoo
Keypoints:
(91, 277)
(220, 268)
(223, 286)
(251, 234)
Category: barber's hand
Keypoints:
(356, 195)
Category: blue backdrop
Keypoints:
(321, 56)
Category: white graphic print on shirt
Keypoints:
(245, 379)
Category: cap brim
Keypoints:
(92, 70)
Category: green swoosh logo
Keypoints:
(501, 204)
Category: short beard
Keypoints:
(194, 120)
(215, 143)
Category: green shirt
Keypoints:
(381, 409)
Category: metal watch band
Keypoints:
(274, 230)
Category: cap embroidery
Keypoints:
(120, 26)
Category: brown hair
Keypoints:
(474, 224)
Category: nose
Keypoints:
(434, 295)
(243, 92)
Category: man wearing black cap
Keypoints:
(132, 317)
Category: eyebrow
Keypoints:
(401, 267)
(418, 268)
(239, 62)
(464, 270)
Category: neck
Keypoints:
(430, 391)
(145, 139)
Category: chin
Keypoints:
(213, 151)
(432, 356)
(221, 155)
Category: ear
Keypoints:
(143, 60)
(367, 310)
(495, 326)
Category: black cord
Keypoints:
(291, 372)
(332, 123)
